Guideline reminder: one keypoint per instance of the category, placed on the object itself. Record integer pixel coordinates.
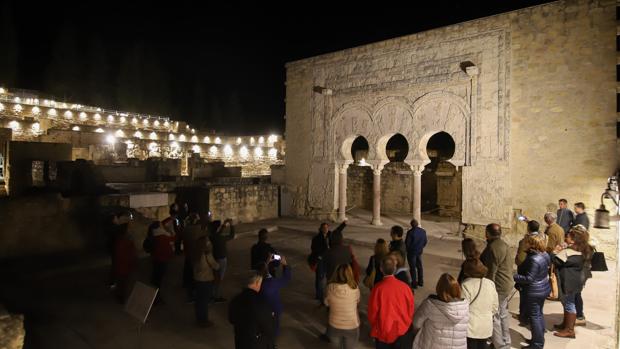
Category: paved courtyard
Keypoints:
(70, 307)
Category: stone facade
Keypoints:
(527, 96)
(244, 203)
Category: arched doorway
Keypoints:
(441, 181)
(359, 176)
(396, 177)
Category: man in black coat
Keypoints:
(252, 317)
(320, 245)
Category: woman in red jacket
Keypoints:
(124, 262)
(163, 251)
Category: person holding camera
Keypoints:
(270, 289)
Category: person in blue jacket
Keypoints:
(415, 242)
(270, 289)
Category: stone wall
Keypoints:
(528, 97)
(244, 203)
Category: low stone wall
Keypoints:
(244, 203)
(12, 332)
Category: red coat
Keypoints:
(124, 257)
(390, 309)
(163, 249)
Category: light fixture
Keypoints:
(238, 140)
(166, 124)
(68, 115)
(2, 90)
(153, 135)
(171, 137)
(156, 123)
(120, 134)
(17, 100)
(273, 153)
(153, 146)
(138, 134)
(194, 139)
(207, 139)
(252, 141)
(75, 128)
(272, 139)
(261, 140)
(36, 127)
(193, 131)
(99, 130)
(145, 122)
(243, 152)
(123, 119)
(182, 138)
(228, 152)
(174, 145)
(110, 139)
(110, 118)
(213, 150)
(14, 125)
(52, 112)
(134, 121)
(17, 108)
(97, 117)
(1, 107)
(196, 148)
(258, 152)
(218, 140)
(36, 110)
(83, 116)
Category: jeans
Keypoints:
(568, 301)
(579, 305)
(223, 262)
(523, 309)
(537, 320)
(157, 277)
(204, 290)
(343, 339)
(416, 269)
(501, 325)
(403, 342)
(477, 343)
(319, 280)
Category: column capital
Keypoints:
(343, 166)
(472, 71)
(377, 170)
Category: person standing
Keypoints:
(532, 278)
(401, 273)
(470, 251)
(572, 264)
(125, 259)
(581, 217)
(522, 251)
(390, 310)
(261, 251)
(338, 254)
(251, 316)
(480, 294)
(373, 270)
(415, 242)
(220, 236)
(565, 216)
(163, 252)
(270, 290)
(397, 243)
(442, 319)
(342, 295)
(205, 267)
(499, 264)
(320, 245)
(554, 232)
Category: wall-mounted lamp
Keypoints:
(601, 216)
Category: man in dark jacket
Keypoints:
(397, 243)
(220, 235)
(338, 254)
(565, 216)
(261, 251)
(496, 258)
(252, 317)
(415, 242)
(581, 216)
(320, 245)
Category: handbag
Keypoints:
(598, 262)
(369, 280)
(553, 282)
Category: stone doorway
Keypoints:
(441, 180)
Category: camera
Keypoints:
(277, 257)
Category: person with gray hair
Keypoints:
(554, 232)
(252, 317)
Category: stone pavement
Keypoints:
(71, 307)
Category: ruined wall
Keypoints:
(244, 203)
(359, 187)
(395, 188)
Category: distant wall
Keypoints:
(244, 203)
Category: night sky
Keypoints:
(216, 68)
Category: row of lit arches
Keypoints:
(440, 145)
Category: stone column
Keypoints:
(376, 196)
(416, 196)
(342, 192)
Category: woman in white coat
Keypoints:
(481, 295)
(441, 320)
